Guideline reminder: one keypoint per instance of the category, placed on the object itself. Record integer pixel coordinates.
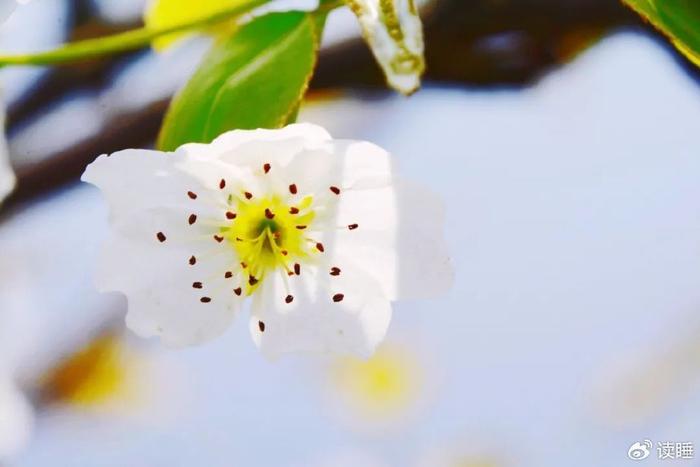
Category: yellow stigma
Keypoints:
(268, 233)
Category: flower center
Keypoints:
(269, 233)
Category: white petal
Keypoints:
(304, 134)
(399, 240)
(253, 148)
(148, 194)
(159, 282)
(178, 316)
(365, 165)
(345, 164)
(136, 179)
(16, 421)
(313, 321)
(302, 154)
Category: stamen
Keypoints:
(293, 210)
(301, 227)
(192, 194)
(319, 247)
(197, 285)
(284, 252)
(192, 219)
(261, 326)
(289, 299)
(243, 264)
(247, 194)
(335, 271)
(269, 214)
(238, 291)
(218, 238)
(335, 190)
(205, 299)
(338, 297)
(230, 215)
(293, 189)
(161, 237)
(353, 226)
(266, 168)
(193, 260)
(297, 269)
(222, 184)
(252, 280)
(228, 275)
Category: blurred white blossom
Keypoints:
(319, 232)
(386, 393)
(17, 340)
(16, 419)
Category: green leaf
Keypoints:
(255, 78)
(679, 20)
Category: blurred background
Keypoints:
(562, 135)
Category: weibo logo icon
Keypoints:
(640, 451)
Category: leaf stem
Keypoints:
(125, 41)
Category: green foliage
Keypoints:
(254, 78)
(679, 20)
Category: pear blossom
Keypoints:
(16, 419)
(16, 413)
(382, 394)
(394, 32)
(17, 341)
(319, 233)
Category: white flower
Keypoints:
(394, 32)
(16, 419)
(318, 232)
(16, 344)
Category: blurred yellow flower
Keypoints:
(167, 13)
(383, 390)
(95, 375)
